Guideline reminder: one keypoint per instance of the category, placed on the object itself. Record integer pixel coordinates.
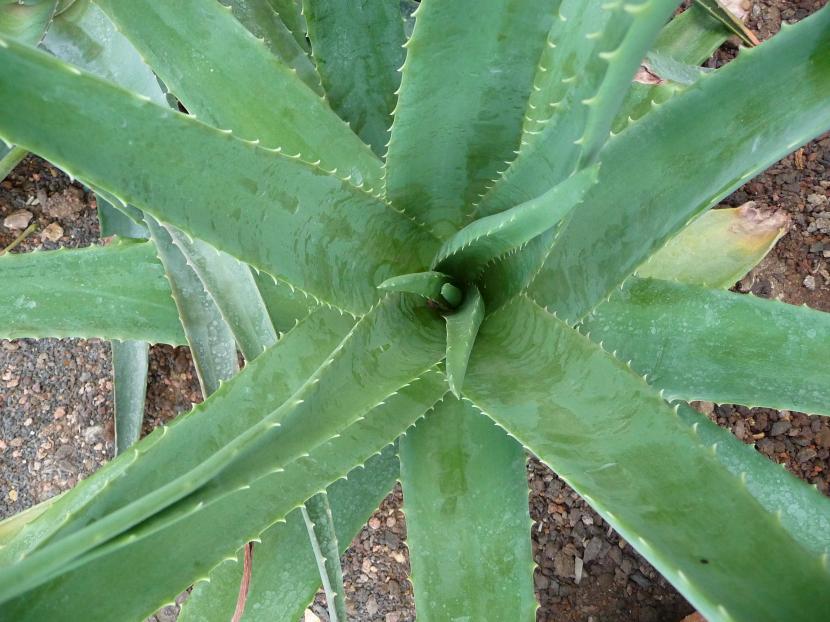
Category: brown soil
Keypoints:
(56, 423)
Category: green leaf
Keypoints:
(285, 576)
(129, 366)
(394, 345)
(463, 92)
(88, 39)
(204, 537)
(208, 335)
(233, 289)
(26, 21)
(684, 165)
(803, 511)
(462, 328)
(468, 252)
(290, 13)
(112, 292)
(691, 37)
(286, 305)
(358, 48)
(311, 229)
(113, 221)
(10, 159)
(718, 248)
(592, 54)
(426, 284)
(468, 527)
(320, 526)
(640, 465)
(700, 344)
(234, 82)
(263, 21)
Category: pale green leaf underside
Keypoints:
(285, 576)
(611, 437)
(718, 248)
(465, 497)
(691, 37)
(699, 344)
(320, 527)
(358, 48)
(110, 292)
(234, 291)
(278, 213)
(210, 338)
(234, 82)
(464, 88)
(129, 367)
(684, 165)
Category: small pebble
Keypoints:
(19, 219)
(53, 232)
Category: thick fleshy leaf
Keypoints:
(719, 11)
(593, 52)
(314, 230)
(111, 292)
(718, 248)
(426, 284)
(358, 48)
(210, 338)
(202, 538)
(285, 577)
(11, 158)
(85, 36)
(264, 22)
(462, 328)
(286, 305)
(639, 464)
(129, 366)
(233, 81)
(464, 89)
(684, 165)
(468, 527)
(700, 344)
(482, 242)
(234, 291)
(691, 37)
(26, 21)
(394, 345)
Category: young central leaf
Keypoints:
(462, 328)
(467, 252)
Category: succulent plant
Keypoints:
(453, 249)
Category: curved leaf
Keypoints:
(462, 328)
(233, 81)
(718, 248)
(639, 464)
(275, 212)
(684, 165)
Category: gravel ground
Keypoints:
(56, 405)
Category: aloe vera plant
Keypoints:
(437, 253)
